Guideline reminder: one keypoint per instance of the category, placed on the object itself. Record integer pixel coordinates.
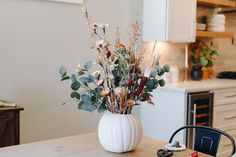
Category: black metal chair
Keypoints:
(206, 139)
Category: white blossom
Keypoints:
(96, 74)
(122, 91)
(79, 68)
(100, 43)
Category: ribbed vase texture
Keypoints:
(119, 133)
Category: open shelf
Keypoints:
(206, 34)
(217, 3)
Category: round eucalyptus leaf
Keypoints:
(87, 106)
(93, 99)
(88, 65)
(85, 98)
(62, 71)
(161, 72)
(75, 95)
(74, 78)
(75, 86)
(155, 84)
(158, 68)
(166, 68)
(162, 82)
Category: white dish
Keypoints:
(216, 22)
(201, 26)
(215, 25)
(216, 29)
(7, 104)
(217, 16)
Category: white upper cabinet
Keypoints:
(169, 20)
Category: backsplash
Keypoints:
(225, 47)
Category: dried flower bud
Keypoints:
(140, 75)
(121, 46)
(108, 53)
(96, 74)
(100, 43)
(138, 70)
(95, 25)
(104, 93)
(129, 82)
(113, 57)
(121, 91)
(100, 83)
(149, 101)
(79, 68)
(132, 58)
(130, 102)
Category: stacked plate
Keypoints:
(216, 23)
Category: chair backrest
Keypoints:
(206, 139)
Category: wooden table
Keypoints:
(86, 145)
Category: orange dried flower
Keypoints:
(104, 93)
(130, 102)
(122, 46)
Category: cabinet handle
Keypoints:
(231, 117)
(227, 144)
(230, 96)
(194, 113)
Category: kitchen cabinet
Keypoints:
(174, 109)
(171, 107)
(9, 126)
(225, 116)
(169, 20)
(167, 115)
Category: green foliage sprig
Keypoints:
(202, 55)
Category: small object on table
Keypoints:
(164, 153)
(176, 146)
(7, 104)
(194, 154)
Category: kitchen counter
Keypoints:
(204, 85)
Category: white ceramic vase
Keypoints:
(119, 133)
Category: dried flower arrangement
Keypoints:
(122, 83)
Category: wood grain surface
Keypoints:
(86, 145)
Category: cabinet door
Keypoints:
(9, 130)
(181, 20)
(169, 20)
(154, 20)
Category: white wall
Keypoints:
(36, 38)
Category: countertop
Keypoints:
(86, 145)
(198, 86)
